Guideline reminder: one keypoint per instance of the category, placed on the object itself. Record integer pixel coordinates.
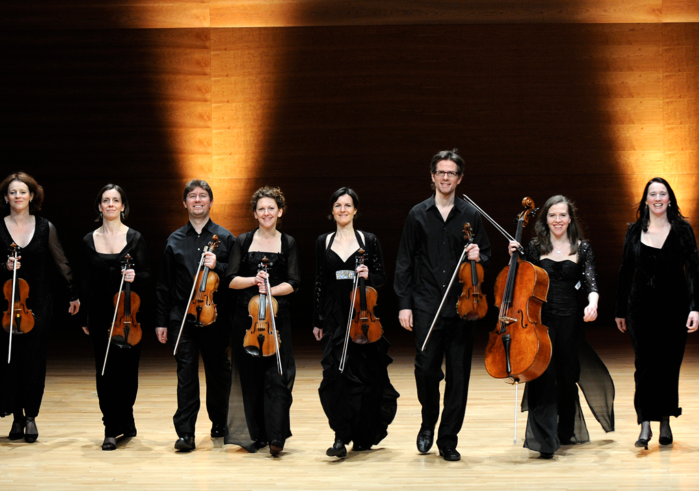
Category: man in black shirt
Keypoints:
(181, 258)
(432, 242)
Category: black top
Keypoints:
(650, 276)
(332, 290)
(102, 276)
(564, 276)
(179, 264)
(429, 250)
(283, 267)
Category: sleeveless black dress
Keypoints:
(22, 381)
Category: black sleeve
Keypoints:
(691, 267)
(588, 267)
(293, 276)
(377, 273)
(531, 253)
(84, 311)
(163, 288)
(61, 262)
(626, 273)
(234, 259)
(481, 238)
(221, 266)
(141, 263)
(319, 288)
(405, 268)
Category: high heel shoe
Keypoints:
(31, 433)
(109, 443)
(17, 430)
(665, 432)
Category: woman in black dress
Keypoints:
(658, 303)
(260, 400)
(554, 414)
(22, 380)
(360, 402)
(104, 251)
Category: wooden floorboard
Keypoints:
(68, 455)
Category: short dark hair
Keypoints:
(268, 192)
(341, 192)
(674, 215)
(34, 188)
(124, 200)
(197, 183)
(452, 155)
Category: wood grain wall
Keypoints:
(585, 98)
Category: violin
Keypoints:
(17, 319)
(365, 326)
(126, 332)
(519, 348)
(262, 339)
(202, 309)
(472, 304)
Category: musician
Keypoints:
(104, 250)
(22, 380)
(555, 417)
(178, 270)
(360, 402)
(658, 304)
(260, 398)
(430, 248)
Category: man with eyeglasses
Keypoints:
(178, 268)
(431, 245)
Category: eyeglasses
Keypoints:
(449, 173)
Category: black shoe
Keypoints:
(17, 430)
(645, 436)
(275, 447)
(424, 440)
(260, 444)
(185, 443)
(360, 448)
(31, 433)
(337, 450)
(545, 455)
(131, 432)
(665, 431)
(450, 454)
(218, 430)
(665, 440)
(109, 443)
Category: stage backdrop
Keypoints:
(584, 98)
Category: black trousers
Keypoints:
(452, 338)
(212, 342)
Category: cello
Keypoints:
(262, 339)
(17, 319)
(472, 304)
(519, 348)
(125, 331)
(363, 327)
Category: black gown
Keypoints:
(260, 399)
(555, 417)
(360, 402)
(118, 387)
(22, 381)
(657, 290)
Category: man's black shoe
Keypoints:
(185, 443)
(424, 440)
(218, 430)
(337, 450)
(450, 454)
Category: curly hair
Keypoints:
(34, 188)
(268, 192)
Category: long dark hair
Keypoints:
(543, 233)
(674, 215)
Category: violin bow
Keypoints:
(194, 287)
(116, 309)
(343, 359)
(12, 302)
(493, 222)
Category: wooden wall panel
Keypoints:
(680, 11)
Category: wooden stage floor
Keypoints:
(68, 455)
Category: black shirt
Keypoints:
(429, 250)
(179, 264)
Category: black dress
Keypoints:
(555, 417)
(22, 381)
(260, 398)
(360, 402)
(118, 387)
(657, 290)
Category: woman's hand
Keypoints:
(363, 271)
(161, 334)
(693, 321)
(10, 262)
(129, 275)
(86, 330)
(74, 307)
(590, 313)
(621, 323)
(260, 281)
(514, 245)
(318, 333)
